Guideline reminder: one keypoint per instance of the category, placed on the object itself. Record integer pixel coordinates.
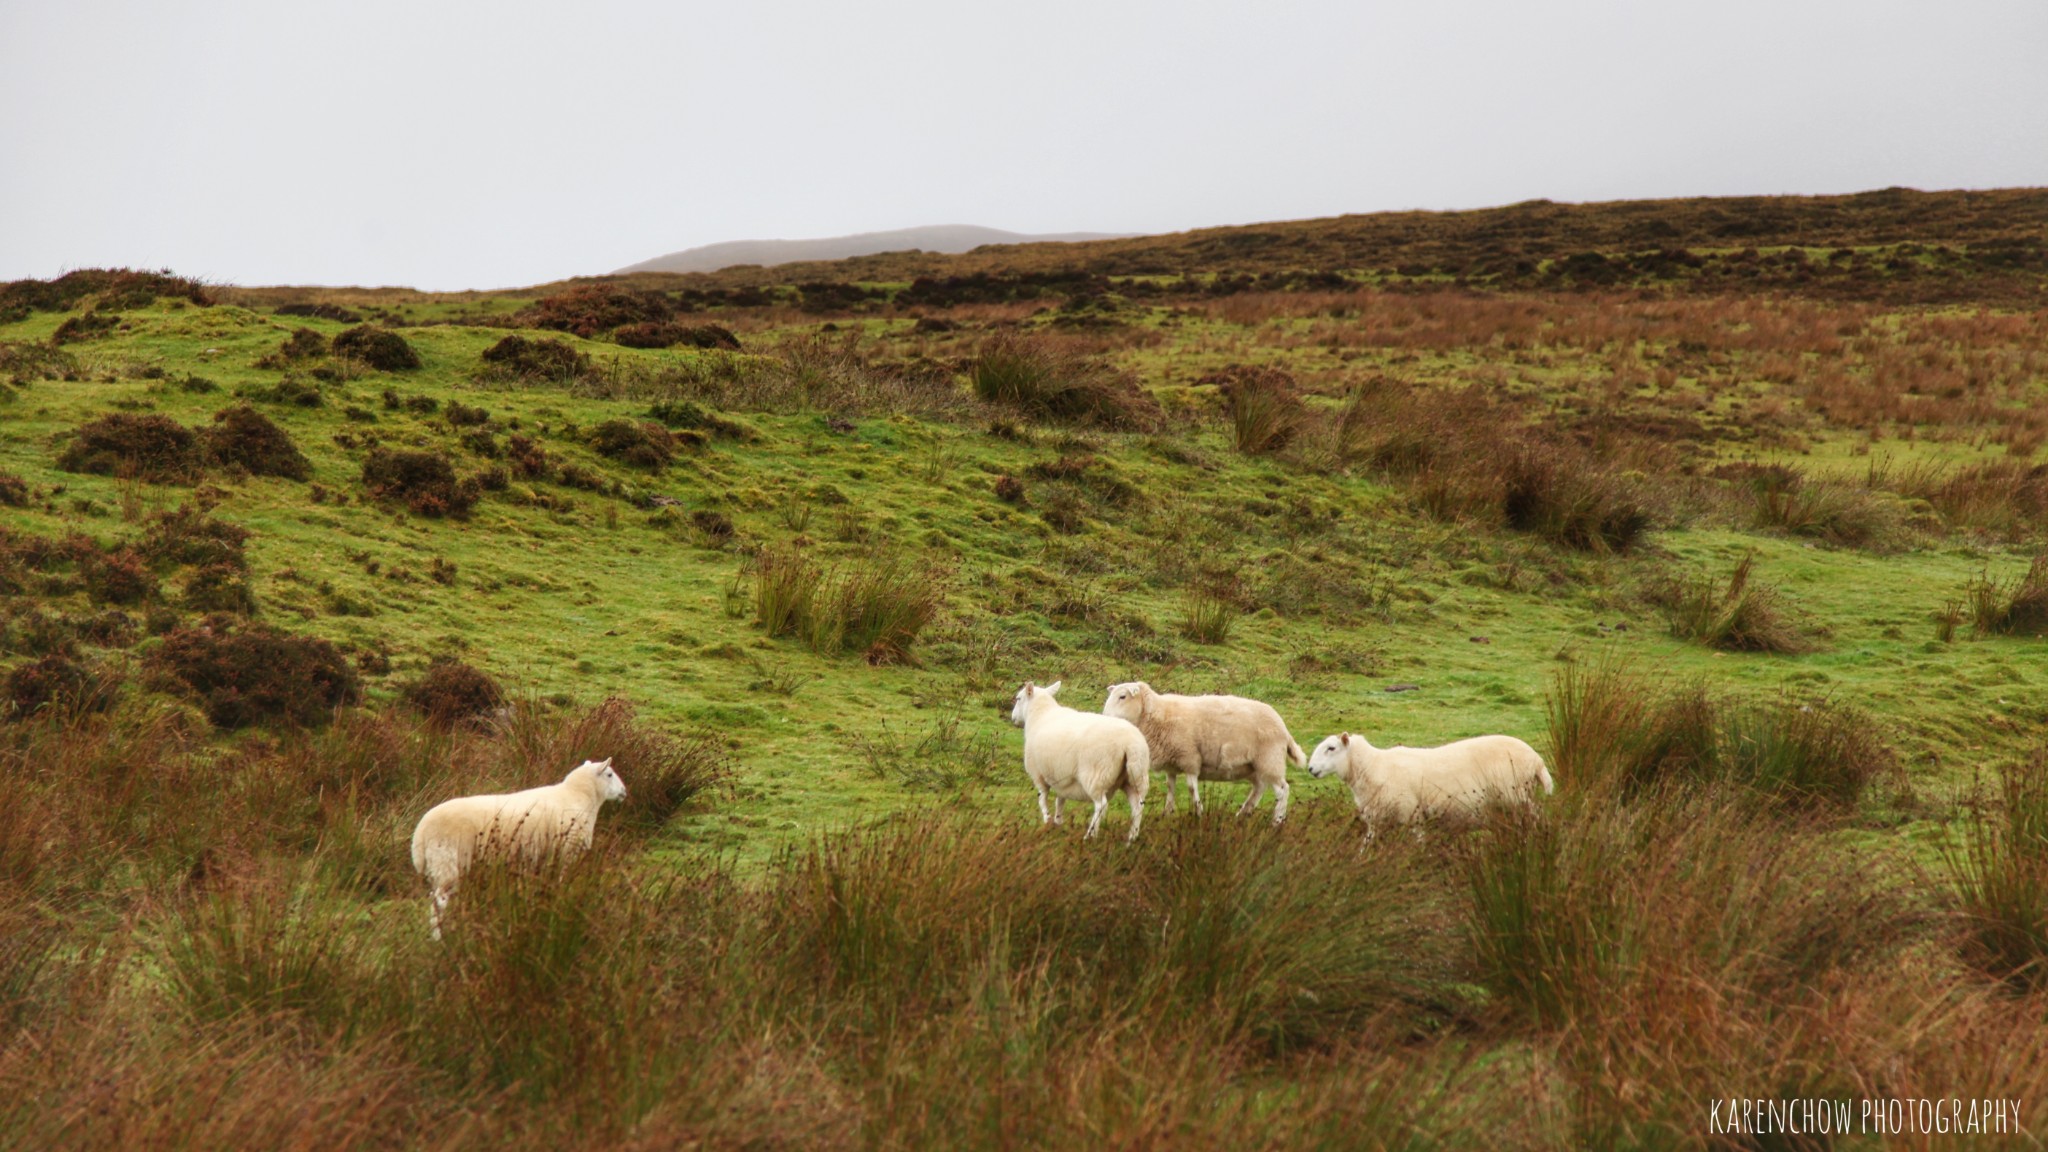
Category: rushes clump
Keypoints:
(877, 606)
(1742, 616)
(2018, 608)
(1046, 381)
(1265, 410)
(2001, 878)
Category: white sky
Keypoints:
(459, 145)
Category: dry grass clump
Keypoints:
(1045, 380)
(1265, 409)
(147, 447)
(1745, 615)
(2018, 608)
(1786, 499)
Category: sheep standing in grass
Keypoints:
(1407, 784)
(1080, 756)
(554, 822)
(1210, 738)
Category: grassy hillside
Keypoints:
(817, 536)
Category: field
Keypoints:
(1745, 539)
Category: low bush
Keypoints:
(219, 587)
(591, 309)
(186, 535)
(463, 415)
(242, 437)
(118, 576)
(515, 358)
(378, 348)
(14, 491)
(423, 481)
(642, 444)
(450, 692)
(145, 447)
(692, 417)
(244, 674)
(302, 344)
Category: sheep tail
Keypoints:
(1294, 753)
(1543, 776)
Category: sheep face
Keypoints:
(1332, 756)
(1025, 695)
(1127, 701)
(609, 786)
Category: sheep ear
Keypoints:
(1053, 689)
(1344, 739)
(1030, 690)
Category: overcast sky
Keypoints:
(454, 145)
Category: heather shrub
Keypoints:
(642, 444)
(515, 358)
(118, 577)
(334, 312)
(450, 691)
(244, 674)
(379, 348)
(54, 685)
(423, 481)
(14, 491)
(245, 438)
(146, 447)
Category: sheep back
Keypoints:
(1213, 737)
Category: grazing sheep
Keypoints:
(1079, 756)
(1407, 783)
(551, 822)
(1210, 738)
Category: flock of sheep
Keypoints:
(1069, 754)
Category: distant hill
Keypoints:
(942, 238)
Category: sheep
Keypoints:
(1211, 738)
(1409, 783)
(1078, 756)
(553, 822)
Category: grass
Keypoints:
(1741, 616)
(818, 614)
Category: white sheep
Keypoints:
(1405, 784)
(1210, 738)
(553, 822)
(1080, 756)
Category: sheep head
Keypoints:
(1026, 695)
(609, 786)
(1128, 701)
(1332, 756)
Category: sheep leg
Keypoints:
(1044, 814)
(1280, 801)
(1170, 782)
(435, 903)
(1137, 810)
(1101, 806)
(1059, 804)
(1251, 802)
(1195, 792)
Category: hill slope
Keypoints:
(943, 238)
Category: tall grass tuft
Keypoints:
(1745, 615)
(2019, 608)
(2001, 879)
(1044, 379)
(1265, 411)
(877, 606)
(1207, 614)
